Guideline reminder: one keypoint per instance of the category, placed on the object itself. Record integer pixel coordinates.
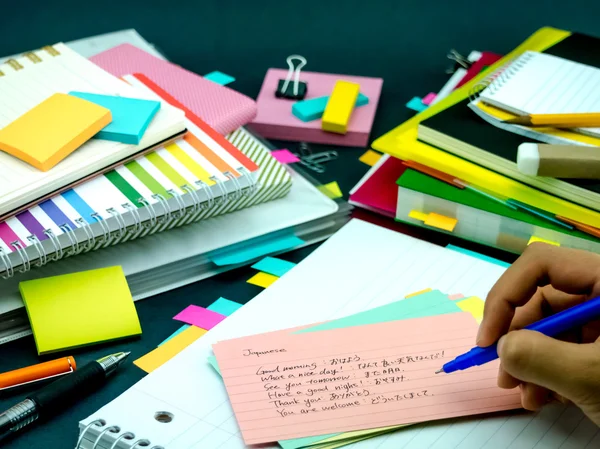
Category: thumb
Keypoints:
(569, 369)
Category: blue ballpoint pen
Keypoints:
(553, 325)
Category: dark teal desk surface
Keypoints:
(404, 42)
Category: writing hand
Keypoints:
(544, 280)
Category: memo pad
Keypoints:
(50, 131)
(80, 309)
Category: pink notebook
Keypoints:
(222, 108)
(276, 121)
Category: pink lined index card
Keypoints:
(356, 378)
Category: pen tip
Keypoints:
(439, 371)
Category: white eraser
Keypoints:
(528, 159)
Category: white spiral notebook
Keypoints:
(362, 266)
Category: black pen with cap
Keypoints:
(60, 394)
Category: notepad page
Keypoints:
(361, 267)
(538, 83)
(23, 88)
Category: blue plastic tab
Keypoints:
(219, 77)
(244, 253)
(416, 104)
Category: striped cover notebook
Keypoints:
(198, 176)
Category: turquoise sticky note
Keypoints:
(130, 116)
(238, 254)
(479, 256)
(416, 104)
(274, 266)
(308, 110)
(174, 334)
(219, 77)
(224, 306)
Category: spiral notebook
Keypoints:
(192, 394)
(27, 81)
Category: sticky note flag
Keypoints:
(50, 131)
(456, 296)
(224, 306)
(219, 77)
(332, 190)
(285, 156)
(370, 157)
(199, 316)
(312, 109)
(263, 280)
(416, 104)
(274, 266)
(421, 216)
(130, 116)
(539, 239)
(251, 251)
(169, 349)
(420, 292)
(428, 99)
(474, 306)
(339, 107)
(174, 334)
(408, 392)
(80, 309)
(441, 222)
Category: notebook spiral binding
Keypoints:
(162, 216)
(498, 79)
(128, 437)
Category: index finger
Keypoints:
(569, 270)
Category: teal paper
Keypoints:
(224, 306)
(248, 252)
(177, 332)
(426, 304)
(130, 116)
(479, 256)
(274, 266)
(219, 77)
(416, 104)
(313, 109)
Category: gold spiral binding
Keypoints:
(51, 50)
(14, 64)
(32, 57)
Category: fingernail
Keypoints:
(500, 344)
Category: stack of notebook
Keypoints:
(456, 161)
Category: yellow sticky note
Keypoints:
(169, 349)
(339, 107)
(50, 131)
(80, 309)
(420, 292)
(332, 190)
(472, 305)
(370, 157)
(539, 239)
(261, 279)
(441, 222)
(421, 216)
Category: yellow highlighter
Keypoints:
(577, 120)
(339, 107)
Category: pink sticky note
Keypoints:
(285, 156)
(356, 378)
(200, 317)
(428, 99)
(275, 120)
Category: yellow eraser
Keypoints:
(50, 131)
(339, 107)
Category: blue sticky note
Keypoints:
(219, 77)
(243, 253)
(479, 256)
(274, 266)
(416, 104)
(130, 116)
(177, 332)
(224, 306)
(308, 110)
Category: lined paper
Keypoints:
(538, 83)
(374, 266)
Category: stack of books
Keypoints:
(453, 167)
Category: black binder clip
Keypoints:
(297, 89)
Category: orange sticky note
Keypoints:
(355, 378)
(370, 157)
(169, 349)
(441, 222)
(52, 130)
